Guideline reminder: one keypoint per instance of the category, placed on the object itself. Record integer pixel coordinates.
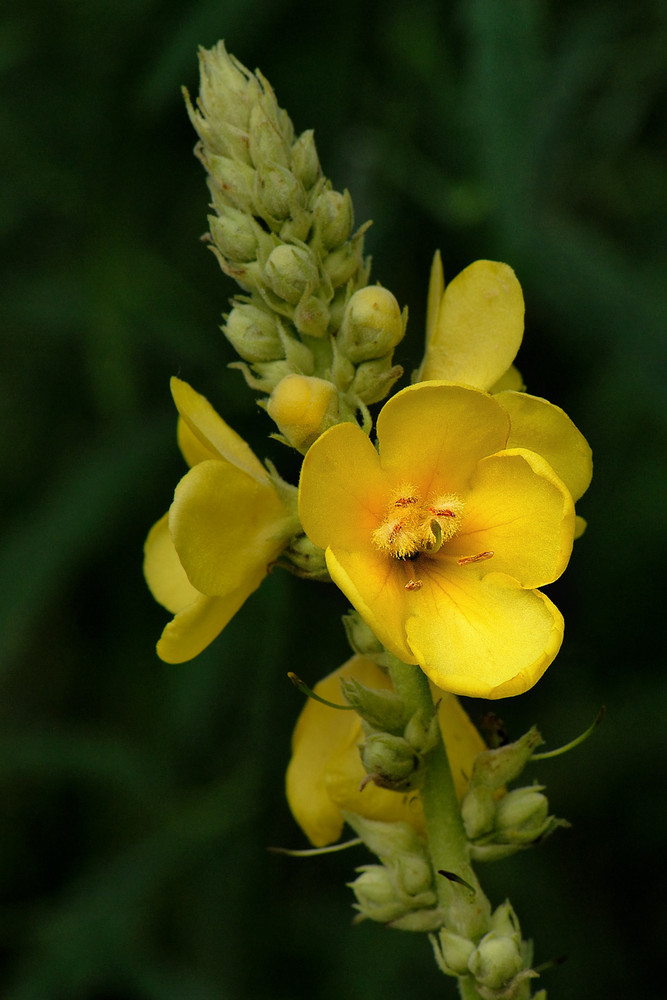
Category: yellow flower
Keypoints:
(225, 527)
(441, 537)
(325, 772)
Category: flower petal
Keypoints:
(164, 573)
(542, 427)
(479, 326)
(196, 626)
(485, 638)
(343, 491)
(212, 431)
(433, 434)
(226, 526)
(436, 289)
(375, 585)
(192, 448)
(522, 512)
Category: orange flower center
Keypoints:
(414, 524)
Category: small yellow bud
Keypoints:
(236, 235)
(372, 325)
(303, 407)
(496, 960)
(333, 218)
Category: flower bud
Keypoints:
(231, 183)
(496, 960)
(452, 952)
(423, 732)
(372, 324)
(522, 815)
(361, 638)
(380, 708)
(253, 333)
(305, 161)
(495, 768)
(277, 193)
(265, 143)
(303, 407)
(373, 379)
(377, 898)
(289, 270)
(478, 811)
(311, 316)
(343, 264)
(414, 876)
(307, 559)
(333, 218)
(236, 234)
(389, 760)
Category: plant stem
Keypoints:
(466, 910)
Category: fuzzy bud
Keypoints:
(496, 960)
(303, 407)
(253, 333)
(372, 325)
(373, 379)
(305, 161)
(290, 270)
(376, 895)
(333, 218)
(452, 952)
(389, 760)
(236, 235)
(382, 709)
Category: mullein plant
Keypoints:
(440, 521)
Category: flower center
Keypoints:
(413, 524)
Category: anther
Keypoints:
(405, 501)
(414, 585)
(480, 557)
(441, 512)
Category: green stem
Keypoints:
(466, 910)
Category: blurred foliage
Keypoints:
(138, 798)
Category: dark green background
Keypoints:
(138, 798)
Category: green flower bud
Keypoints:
(382, 709)
(296, 228)
(495, 768)
(376, 895)
(289, 270)
(389, 760)
(236, 234)
(334, 218)
(265, 143)
(452, 952)
(386, 839)
(504, 920)
(422, 921)
(362, 639)
(423, 732)
(414, 877)
(478, 811)
(311, 316)
(522, 815)
(231, 183)
(496, 960)
(343, 264)
(277, 193)
(372, 324)
(305, 161)
(253, 333)
(373, 379)
(306, 559)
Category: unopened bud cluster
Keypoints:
(396, 741)
(400, 890)
(499, 963)
(286, 237)
(499, 823)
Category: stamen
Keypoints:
(480, 557)
(414, 585)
